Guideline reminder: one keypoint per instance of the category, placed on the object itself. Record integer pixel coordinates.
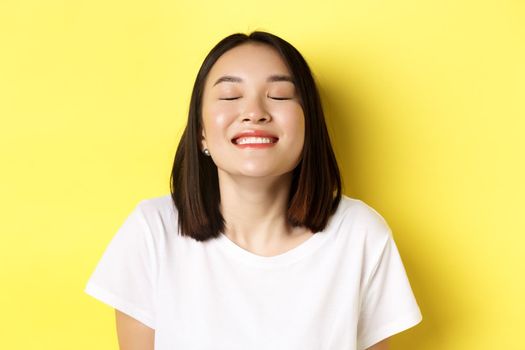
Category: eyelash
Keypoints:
(274, 98)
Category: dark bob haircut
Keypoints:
(315, 190)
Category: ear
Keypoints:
(203, 139)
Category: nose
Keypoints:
(255, 112)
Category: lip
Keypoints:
(255, 133)
(255, 145)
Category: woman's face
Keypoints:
(253, 123)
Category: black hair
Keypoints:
(315, 190)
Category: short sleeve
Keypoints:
(125, 274)
(388, 305)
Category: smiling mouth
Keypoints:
(252, 140)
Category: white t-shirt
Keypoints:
(343, 288)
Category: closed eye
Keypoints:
(229, 98)
(280, 98)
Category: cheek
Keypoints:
(216, 119)
(219, 110)
(292, 120)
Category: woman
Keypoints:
(255, 248)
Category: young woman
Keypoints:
(255, 247)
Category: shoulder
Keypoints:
(361, 214)
(158, 215)
(156, 206)
(361, 219)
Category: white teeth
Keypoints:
(247, 140)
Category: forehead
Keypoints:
(249, 59)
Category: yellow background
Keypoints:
(425, 101)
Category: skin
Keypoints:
(134, 335)
(254, 183)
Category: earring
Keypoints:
(206, 152)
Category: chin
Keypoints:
(256, 169)
(264, 173)
(256, 172)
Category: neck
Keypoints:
(254, 209)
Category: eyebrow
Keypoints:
(270, 79)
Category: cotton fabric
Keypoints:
(343, 288)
